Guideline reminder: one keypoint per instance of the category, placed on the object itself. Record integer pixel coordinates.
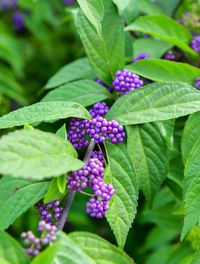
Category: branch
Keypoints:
(71, 194)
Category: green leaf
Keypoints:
(167, 130)
(124, 202)
(165, 71)
(122, 5)
(61, 182)
(3, 261)
(84, 92)
(192, 204)
(61, 132)
(98, 249)
(43, 111)
(147, 149)
(10, 50)
(129, 8)
(11, 251)
(192, 165)
(175, 181)
(36, 154)
(76, 70)
(53, 192)
(166, 29)
(105, 52)
(48, 255)
(147, 7)
(93, 11)
(154, 47)
(190, 135)
(71, 252)
(17, 196)
(162, 211)
(168, 6)
(155, 102)
(10, 87)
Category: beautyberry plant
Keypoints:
(101, 163)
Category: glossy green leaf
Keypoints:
(61, 182)
(155, 102)
(84, 92)
(94, 11)
(192, 204)
(123, 204)
(164, 28)
(147, 7)
(105, 52)
(147, 149)
(53, 192)
(98, 249)
(122, 5)
(129, 9)
(168, 6)
(190, 134)
(48, 255)
(154, 47)
(71, 252)
(192, 165)
(61, 132)
(43, 111)
(11, 251)
(35, 154)
(167, 130)
(17, 196)
(76, 70)
(165, 71)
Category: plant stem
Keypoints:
(71, 194)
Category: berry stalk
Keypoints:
(72, 193)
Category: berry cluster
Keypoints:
(46, 225)
(171, 56)
(35, 243)
(195, 44)
(68, 2)
(141, 56)
(197, 83)
(8, 4)
(97, 208)
(49, 211)
(126, 81)
(79, 180)
(98, 155)
(180, 21)
(110, 89)
(92, 176)
(18, 21)
(99, 109)
(99, 128)
(103, 192)
(77, 133)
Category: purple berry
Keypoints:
(77, 133)
(141, 56)
(195, 44)
(169, 55)
(18, 21)
(99, 109)
(197, 83)
(126, 81)
(96, 208)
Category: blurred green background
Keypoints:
(29, 56)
